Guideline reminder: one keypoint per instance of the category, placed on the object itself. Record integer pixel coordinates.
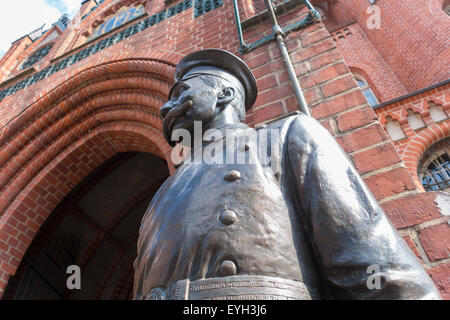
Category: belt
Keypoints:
(233, 288)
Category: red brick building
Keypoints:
(81, 148)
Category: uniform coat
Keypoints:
(306, 216)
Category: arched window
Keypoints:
(36, 56)
(363, 84)
(434, 170)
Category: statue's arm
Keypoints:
(351, 235)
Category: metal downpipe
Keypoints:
(287, 60)
(238, 25)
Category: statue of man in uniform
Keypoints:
(301, 225)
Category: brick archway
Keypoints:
(58, 140)
(416, 147)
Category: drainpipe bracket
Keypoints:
(243, 48)
(314, 16)
(277, 30)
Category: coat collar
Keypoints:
(216, 135)
(227, 131)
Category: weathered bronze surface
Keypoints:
(300, 224)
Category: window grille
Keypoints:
(437, 174)
(35, 57)
(435, 167)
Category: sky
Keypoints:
(20, 17)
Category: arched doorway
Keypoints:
(94, 227)
(61, 138)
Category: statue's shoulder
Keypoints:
(281, 124)
(289, 124)
(276, 136)
(297, 129)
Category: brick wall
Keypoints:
(413, 38)
(423, 227)
(56, 131)
(363, 58)
(9, 61)
(408, 52)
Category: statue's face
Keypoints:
(191, 100)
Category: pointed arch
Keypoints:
(63, 136)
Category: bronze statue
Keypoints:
(298, 224)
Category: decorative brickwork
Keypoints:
(416, 142)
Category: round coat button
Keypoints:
(227, 268)
(232, 175)
(228, 217)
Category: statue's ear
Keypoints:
(226, 95)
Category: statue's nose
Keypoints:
(165, 109)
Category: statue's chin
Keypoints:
(177, 124)
(185, 122)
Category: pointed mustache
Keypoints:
(172, 115)
(177, 111)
